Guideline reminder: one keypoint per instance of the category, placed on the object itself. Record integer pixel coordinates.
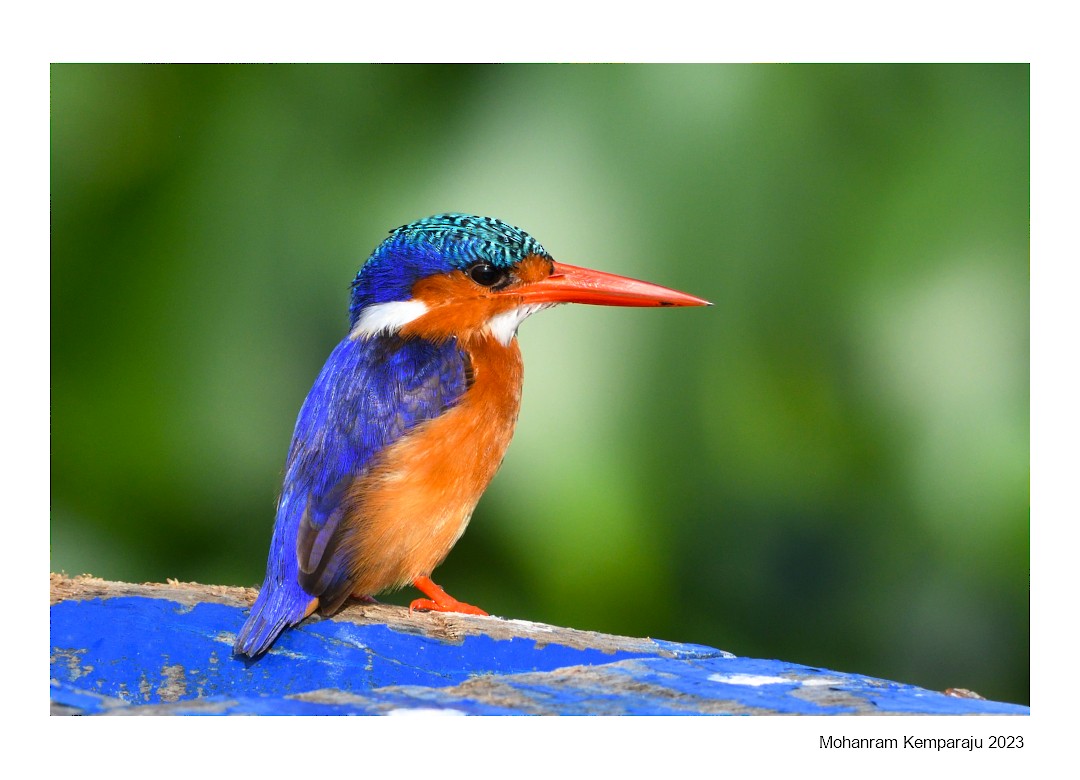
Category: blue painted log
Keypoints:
(123, 649)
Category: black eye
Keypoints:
(485, 274)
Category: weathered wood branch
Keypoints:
(120, 648)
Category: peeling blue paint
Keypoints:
(135, 655)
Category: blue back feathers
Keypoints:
(437, 244)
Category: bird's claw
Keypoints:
(427, 605)
(440, 600)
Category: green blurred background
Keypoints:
(830, 466)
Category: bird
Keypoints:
(411, 415)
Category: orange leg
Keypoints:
(439, 600)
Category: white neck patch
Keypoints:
(388, 317)
(504, 326)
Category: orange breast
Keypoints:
(415, 504)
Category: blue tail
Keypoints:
(277, 607)
(282, 602)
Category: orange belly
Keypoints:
(408, 512)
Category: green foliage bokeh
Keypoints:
(829, 466)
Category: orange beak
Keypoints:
(571, 284)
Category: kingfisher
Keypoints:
(410, 417)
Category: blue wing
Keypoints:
(369, 394)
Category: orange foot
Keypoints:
(439, 600)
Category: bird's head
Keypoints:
(465, 276)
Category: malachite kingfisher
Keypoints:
(411, 415)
